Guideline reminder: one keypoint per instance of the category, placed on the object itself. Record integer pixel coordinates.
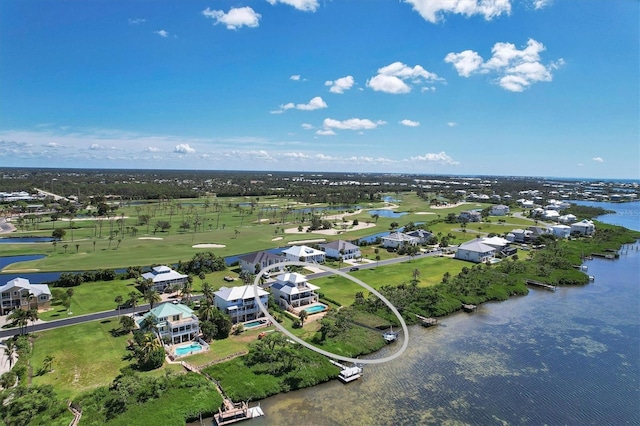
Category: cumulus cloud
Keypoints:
(516, 69)
(295, 77)
(307, 126)
(235, 18)
(452, 124)
(340, 85)
(540, 4)
(303, 5)
(433, 10)
(152, 149)
(598, 159)
(162, 33)
(410, 123)
(352, 124)
(397, 77)
(183, 148)
(439, 158)
(137, 21)
(95, 147)
(53, 145)
(313, 104)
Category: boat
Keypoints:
(350, 374)
(390, 336)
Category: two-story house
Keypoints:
(396, 239)
(176, 323)
(21, 294)
(240, 302)
(341, 249)
(165, 278)
(291, 290)
(304, 254)
(255, 262)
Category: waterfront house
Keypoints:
(584, 227)
(567, 218)
(341, 249)
(240, 302)
(496, 242)
(291, 290)
(499, 210)
(520, 235)
(475, 251)
(175, 323)
(470, 216)
(396, 239)
(304, 254)
(165, 278)
(19, 293)
(561, 231)
(255, 262)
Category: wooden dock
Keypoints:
(239, 412)
(467, 307)
(540, 284)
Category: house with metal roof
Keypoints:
(255, 262)
(292, 290)
(341, 249)
(396, 239)
(175, 323)
(240, 302)
(19, 293)
(304, 254)
(165, 278)
(475, 251)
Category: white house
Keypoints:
(240, 303)
(20, 293)
(496, 242)
(341, 249)
(176, 323)
(551, 215)
(567, 218)
(165, 278)
(470, 216)
(396, 239)
(255, 262)
(291, 290)
(584, 227)
(475, 251)
(304, 254)
(499, 210)
(519, 235)
(561, 231)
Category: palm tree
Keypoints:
(206, 311)
(47, 363)
(148, 345)
(303, 316)
(187, 290)
(32, 315)
(152, 297)
(207, 292)
(119, 299)
(150, 323)
(134, 296)
(9, 351)
(69, 296)
(127, 323)
(19, 318)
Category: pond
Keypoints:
(18, 240)
(387, 213)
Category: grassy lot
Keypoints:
(431, 271)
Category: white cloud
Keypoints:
(235, 18)
(314, 104)
(410, 123)
(464, 62)
(352, 124)
(440, 158)
(307, 126)
(396, 77)
(325, 132)
(540, 4)
(95, 147)
(452, 124)
(598, 159)
(340, 85)
(516, 69)
(295, 77)
(137, 21)
(162, 33)
(53, 145)
(152, 149)
(184, 148)
(433, 10)
(304, 5)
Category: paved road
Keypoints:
(106, 315)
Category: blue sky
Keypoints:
(471, 87)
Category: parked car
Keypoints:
(355, 268)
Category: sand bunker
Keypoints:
(150, 238)
(317, 240)
(276, 239)
(208, 246)
(425, 213)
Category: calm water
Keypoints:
(569, 357)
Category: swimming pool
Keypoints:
(315, 309)
(254, 324)
(188, 349)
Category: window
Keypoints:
(176, 318)
(43, 297)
